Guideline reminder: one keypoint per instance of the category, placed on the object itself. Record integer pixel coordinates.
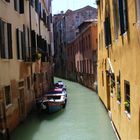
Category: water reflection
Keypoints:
(84, 118)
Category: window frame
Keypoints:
(116, 18)
(127, 99)
(6, 40)
(118, 88)
(107, 32)
(19, 6)
(19, 44)
(123, 14)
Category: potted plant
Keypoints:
(38, 55)
(126, 103)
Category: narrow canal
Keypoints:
(84, 118)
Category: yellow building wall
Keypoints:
(124, 55)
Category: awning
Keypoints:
(109, 66)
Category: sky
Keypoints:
(63, 5)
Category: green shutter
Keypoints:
(2, 40)
(17, 38)
(9, 35)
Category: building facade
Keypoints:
(74, 18)
(26, 67)
(59, 44)
(82, 55)
(66, 25)
(118, 64)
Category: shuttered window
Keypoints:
(127, 96)
(33, 45)
(17, 40)
(119, 88)
(2, 41)
(23, 46)
(16, 5)
(123, 16)
(32, 2)
(19, 6)
(44, 17)
(26, 48)
(116, 18)
(107, 31)
(20, 47)
(7, 0)
(36, 5)
(9, 32)
(138, 10)
(6, 40)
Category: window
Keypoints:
(21, 84)
(36, 5)
(116, 18)
(6, 40)
(7, 91)
(91, 67)
(7, 0)
(112, 76)
(32, 2)
(102, 78)
(127, 96)
(26, 44)
(20, 45)
(118, 89)
(19, 6)
(28, 83)
(33, 44)
(123, 16)
(107, 30)
(138, 10)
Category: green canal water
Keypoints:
(84, 118)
